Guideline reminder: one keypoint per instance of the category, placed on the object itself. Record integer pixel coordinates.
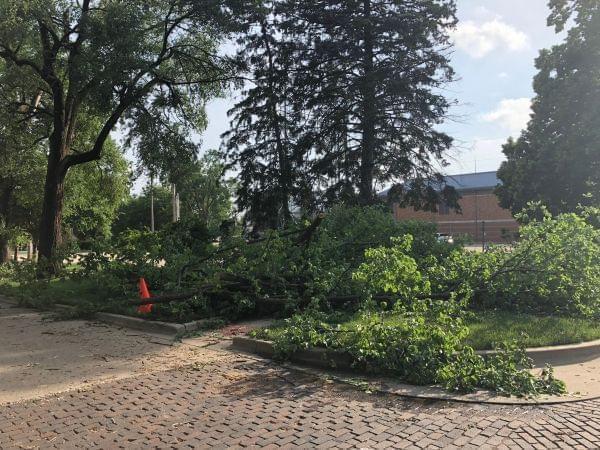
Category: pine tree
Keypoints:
(344, 99)
(262, 141)
(367, 83)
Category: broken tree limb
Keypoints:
(167, 298)
(305, 238)
(308, 233)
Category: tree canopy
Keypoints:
(345, 98)
(137, 62)
(556, 160)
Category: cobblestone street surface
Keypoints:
(239, 401)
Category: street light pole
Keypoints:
(152, 202)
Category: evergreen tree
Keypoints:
(344, 98)
(556, 160)
(262, 142)
(368, 83)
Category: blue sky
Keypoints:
(496, 44)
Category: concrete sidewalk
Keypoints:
(40, 356)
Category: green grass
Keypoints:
(487, 328)
(65, 291)
(491, 327)
(86, 295)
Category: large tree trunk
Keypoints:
(51, 220)
(285, 175)
(5, 217)
(368, 114)
(4, 251)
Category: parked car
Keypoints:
(443, 237)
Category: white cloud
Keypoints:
(502, 75)
(477, 155)
(478, 40)
(511, 113)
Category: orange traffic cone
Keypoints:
(144, 293)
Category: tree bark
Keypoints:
(175, 205)
(51, 236)
(285, 176)
(369, 111)
(5, 216)
(4, 251)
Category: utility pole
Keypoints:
(152, 202)
(483, 235)
(175, 203)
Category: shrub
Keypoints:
(425, 347)
(554, 268)
(507, 372)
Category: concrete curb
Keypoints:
(540, 354)
(150, 326)
(314, 357)
(318, 359)
(552, 352)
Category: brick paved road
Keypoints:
(238, 401)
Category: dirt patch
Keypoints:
(40, 356)
(243, 328)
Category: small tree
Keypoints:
(205, 192)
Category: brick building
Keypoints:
(481, 216)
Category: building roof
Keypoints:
(466, 182)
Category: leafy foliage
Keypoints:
(338, 247)
(205, 192)
(554, 268)
(94, 194)
(425, 347)
(392, 270)
(506, 372)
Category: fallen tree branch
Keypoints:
(305, 239)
